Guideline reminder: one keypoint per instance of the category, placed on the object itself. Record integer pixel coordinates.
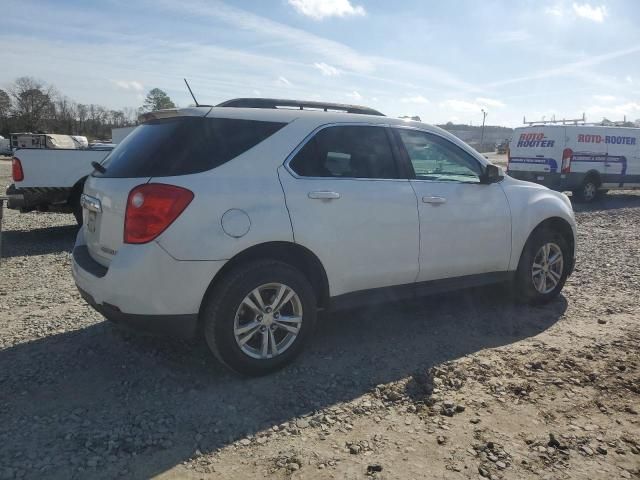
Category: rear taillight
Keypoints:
(567, 153)
(16, 170)
(151, 208)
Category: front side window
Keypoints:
(347, 152)
(434, 158)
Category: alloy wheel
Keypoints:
(547, 268)
(268, 321)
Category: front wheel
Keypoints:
(543, 267)
(260, 317)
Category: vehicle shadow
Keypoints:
(609, 201)
(137, 406)
(38, 241)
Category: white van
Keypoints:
(587, 160)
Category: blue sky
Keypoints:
(444, 60)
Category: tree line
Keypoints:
(30, 105)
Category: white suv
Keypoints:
(242, 221)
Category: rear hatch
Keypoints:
(537, 149)
(162, 147)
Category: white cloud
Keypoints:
(319, 9)
(628, 79)
(129, 85)
(327, 70)
(604, 98)
(596, 14)
(257, 93)
(355, 95)
(614, 112)
(419, 99)
(577, 67)
(490, 102)
(283, 81)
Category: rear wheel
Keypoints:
(260, 317)
(74, 201)
(543, 267)
(588, 191)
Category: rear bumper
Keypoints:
(144, 287)
(32, 198)
(183, 326)
(560, 182)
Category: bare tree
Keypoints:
(32, 101)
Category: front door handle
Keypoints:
(324, 195)
(434, 200)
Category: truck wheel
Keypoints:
(259, 317)
(543, 267)
(588, 191)
(74, 201)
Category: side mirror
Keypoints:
(491, 175)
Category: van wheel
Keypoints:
(543, 267)
(588, 191)
(260, 317)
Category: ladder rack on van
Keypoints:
(553, 121)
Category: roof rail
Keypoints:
(282, 103)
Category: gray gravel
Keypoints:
(81, 398)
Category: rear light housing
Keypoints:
(16, 170)
(151, 208)
(567, 153)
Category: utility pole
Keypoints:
(484, 116)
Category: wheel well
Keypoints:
(561, 226)
(291, 253)
(76, 191)
(595, 175)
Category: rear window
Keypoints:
(183, 145)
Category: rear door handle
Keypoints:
(434, 200)
(324, 195)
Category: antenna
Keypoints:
(192, 95)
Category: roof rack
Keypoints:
(302, 105)
(553, 121)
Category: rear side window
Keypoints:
(184, 145)
(347, 151)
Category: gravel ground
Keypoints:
(465, 385)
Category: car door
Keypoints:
(465, 226)
(349, 205)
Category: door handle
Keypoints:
(324, 195)
(434, 200)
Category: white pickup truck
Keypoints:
(48, 179)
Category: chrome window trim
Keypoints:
(313, 133)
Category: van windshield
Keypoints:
(183, 145)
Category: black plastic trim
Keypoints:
(415, 290)
(82, 257)
(281, 102)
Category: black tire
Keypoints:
(525, 289)
(218, 314)
(588, 191)
(77, 213)
(74, 202)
